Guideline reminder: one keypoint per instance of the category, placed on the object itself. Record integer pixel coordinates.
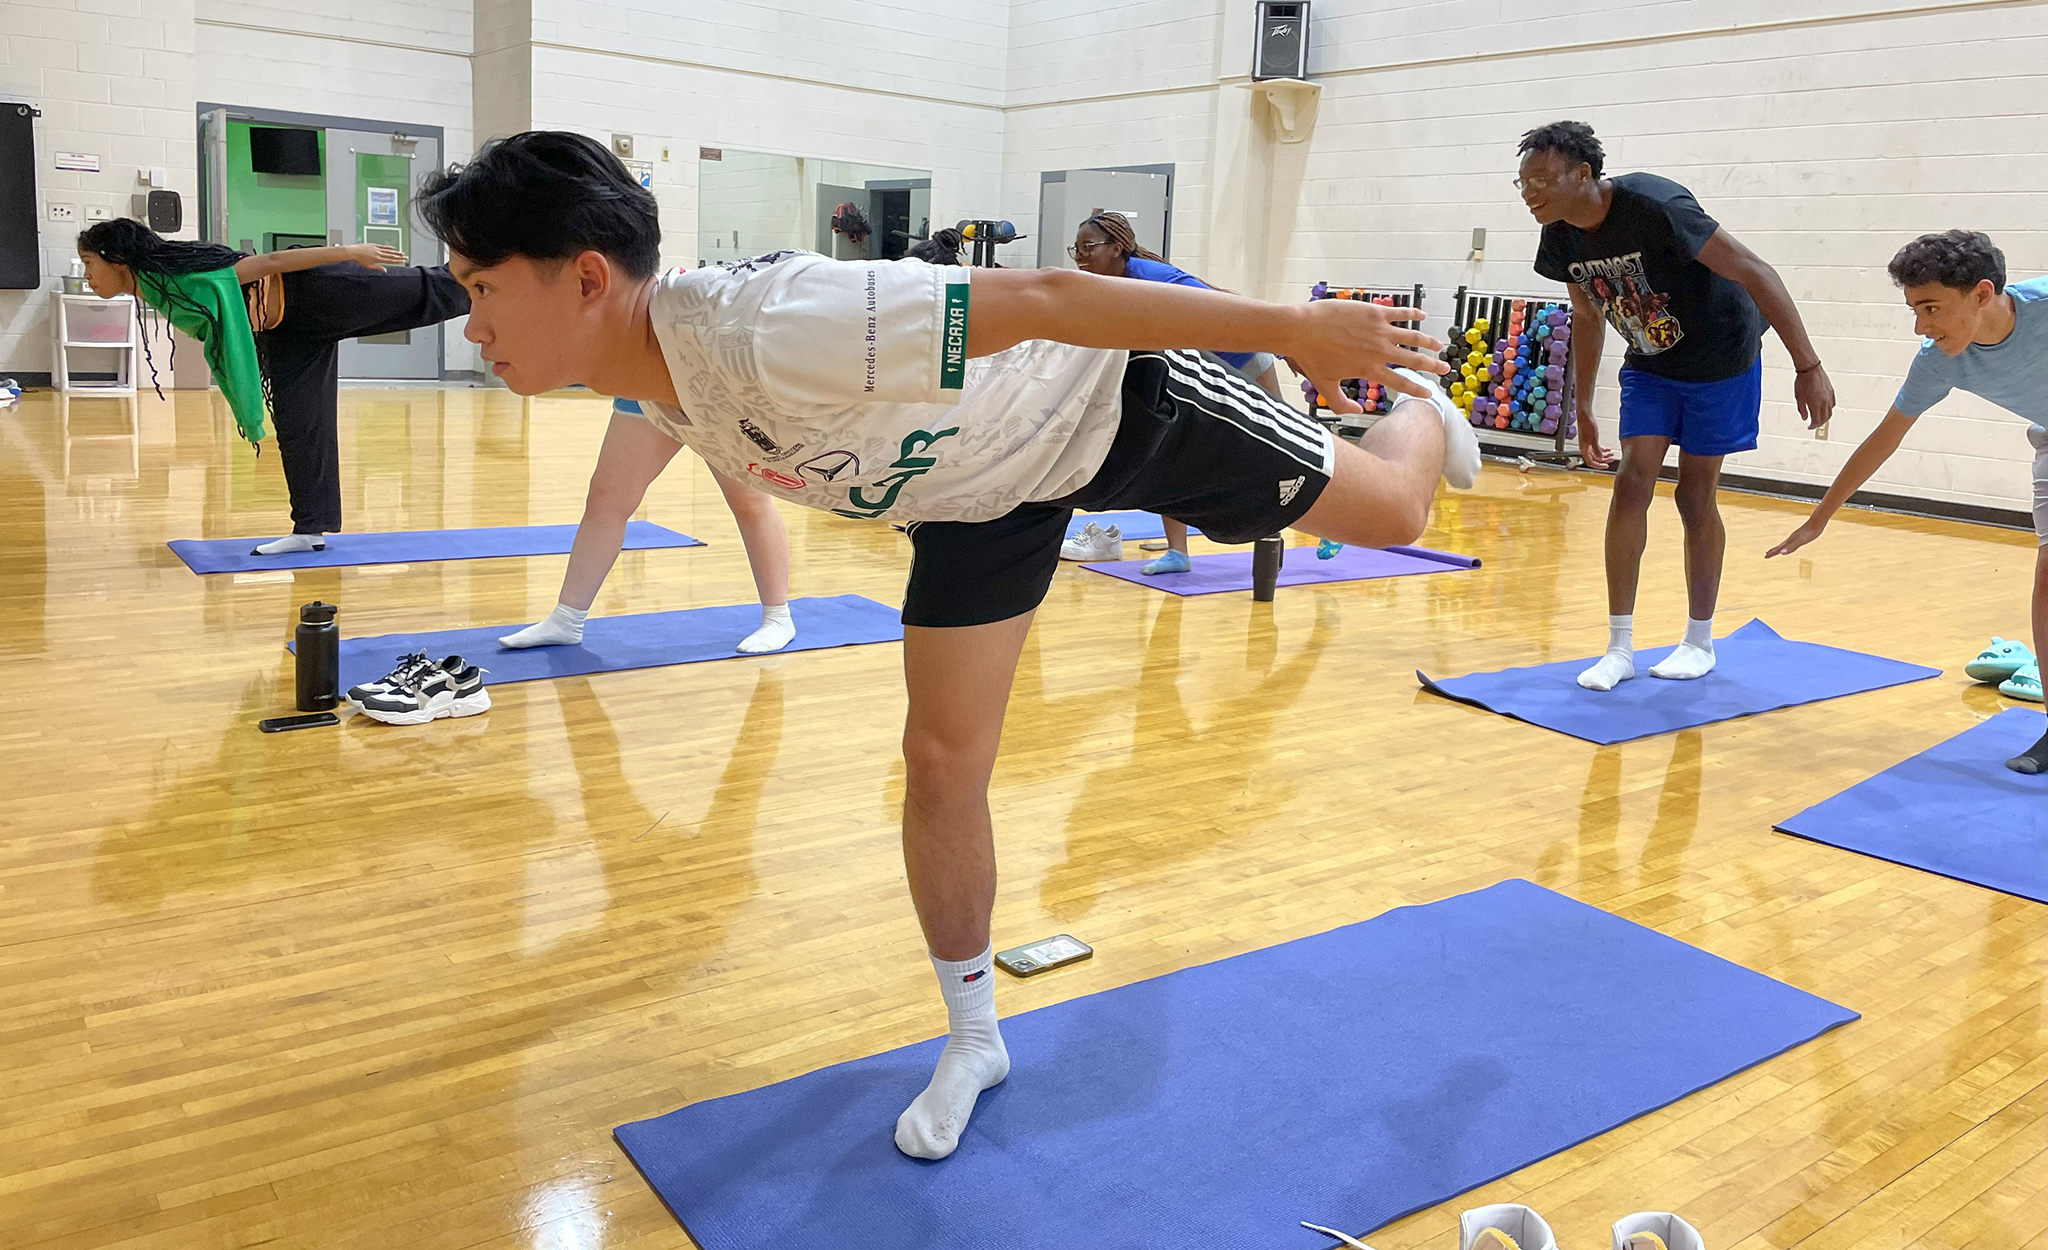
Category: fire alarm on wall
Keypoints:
(622, 146)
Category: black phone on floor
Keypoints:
(278, 724)
(1043, 955)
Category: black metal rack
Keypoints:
(1497, 307)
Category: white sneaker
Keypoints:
(1094, 543)
(1504, 1226)
(1656, 1230)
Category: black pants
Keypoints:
(323, 306)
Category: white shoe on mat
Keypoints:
(1093, 544)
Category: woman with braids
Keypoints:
(270, 326)
(1107, 245)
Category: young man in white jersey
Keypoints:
(1984, 335)
(977, 406)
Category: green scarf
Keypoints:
(208, 306)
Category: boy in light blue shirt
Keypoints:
(1990, 338)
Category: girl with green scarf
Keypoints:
(327, 293)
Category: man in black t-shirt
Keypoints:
(1692, 305)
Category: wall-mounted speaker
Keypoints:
(21, 266)
(1281, 50)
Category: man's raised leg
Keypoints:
(1706, 543)
(959, 685)
(1379, 495)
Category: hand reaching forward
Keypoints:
(375, 255)
(1348, 338)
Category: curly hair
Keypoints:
(1574, 141)
(1954, 258)
(943, 248)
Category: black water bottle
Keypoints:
(318, 647)
(1267, 555)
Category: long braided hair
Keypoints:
(125, 241)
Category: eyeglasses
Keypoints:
(1080, 250)
(1540, 183)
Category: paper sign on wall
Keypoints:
(83, 162)
(383, 206)
(642, 171)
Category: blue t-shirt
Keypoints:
(2012, 373)
(1159, 271)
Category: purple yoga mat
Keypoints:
(1233, 570)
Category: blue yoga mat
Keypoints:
(1232, 570)
(231, 555)
(1345, 1079)
(1135, 526)
(1755, 671)
(642, 640)
(1954, 809)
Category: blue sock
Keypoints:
(1171, 562)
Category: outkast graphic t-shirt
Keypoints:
(845, 386)
(1680, 319)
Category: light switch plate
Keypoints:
(97, 212)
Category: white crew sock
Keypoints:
(777, 631)
(1694, 657)
(562, 628)
(974, 1059)
(291, 544)
(1619, 664)
(1461, 442)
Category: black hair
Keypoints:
(1574, 141)
(943, 248)
(1117, 228)
(547, 195)
(1954, 258)
(126, 241)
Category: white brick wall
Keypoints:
(1823, 136)
(113, 78)
(403, 61)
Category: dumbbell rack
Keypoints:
(1499, 309)
(1368, 394)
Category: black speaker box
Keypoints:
(21, 265)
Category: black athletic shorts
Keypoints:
(1198, 442)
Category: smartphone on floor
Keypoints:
(1043, 955)
(279, 724)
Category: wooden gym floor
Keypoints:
(380, 987)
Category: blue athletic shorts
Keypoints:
(1703, 418)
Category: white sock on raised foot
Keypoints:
(1461, 443)
(563, 627)
(974, 1059)
(1619, 664)
(777, 631)
(291, 544)
(1694, 657)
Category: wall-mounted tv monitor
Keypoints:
(278, 150)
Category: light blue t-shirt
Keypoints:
(2012, 374)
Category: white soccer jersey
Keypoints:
(844, 386)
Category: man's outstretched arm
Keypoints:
(1325, 340)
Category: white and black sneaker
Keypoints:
(448, 688)
(401, 674)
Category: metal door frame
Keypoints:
(322, 121)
